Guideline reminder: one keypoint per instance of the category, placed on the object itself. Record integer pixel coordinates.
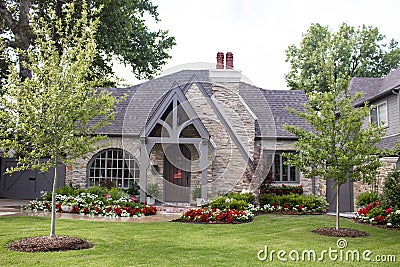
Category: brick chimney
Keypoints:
(220, 60)
(229, 60)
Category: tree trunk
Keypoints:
(53, 205)
(337, 206)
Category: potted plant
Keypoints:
(196, 195)
(152, 192)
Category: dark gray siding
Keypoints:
(393, 126)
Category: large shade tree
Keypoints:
(47, 118)
(123, 33)
(356, 52)
(341, 147)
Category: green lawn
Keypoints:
(176, 244)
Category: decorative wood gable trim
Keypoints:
(175, 98)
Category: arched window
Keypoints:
(115, 164)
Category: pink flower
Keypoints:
(133, 198)
(106, 195)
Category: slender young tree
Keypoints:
(341, 146)
(50, 115)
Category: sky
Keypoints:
(258, 32)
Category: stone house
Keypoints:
(197, 128)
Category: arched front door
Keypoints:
(177, 174)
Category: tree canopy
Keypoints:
(356, 52)
(49, 117)
(122, 33)
(340, 147)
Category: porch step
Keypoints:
(173, 207)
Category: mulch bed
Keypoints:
(49, 244)
(342, 232)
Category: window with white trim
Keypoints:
(115, 164)
(378, 115)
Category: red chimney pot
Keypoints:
(220, 60)
(229, 60)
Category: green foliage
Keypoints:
(56, 107)
(134, 189)
(391, 189)
(196, 192)
(339, 147)
(238, 201)
(95, 190)
(117, 193)
(366, 198)
(394, 219)
(152, 190)
(247, 197)
(123, 33)
(357, 52)
(376, 211)
(312, 202)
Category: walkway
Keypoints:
(13, 207)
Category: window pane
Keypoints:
(277, 167)
(382, 110)
(292, 173)
(113, 164)
(374, 116)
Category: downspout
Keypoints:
(396, 92)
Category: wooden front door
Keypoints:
(177, 174)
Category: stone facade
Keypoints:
(227, 168)
(388, 165)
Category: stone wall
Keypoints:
(227, 164)
(388, 164)
(77, 174)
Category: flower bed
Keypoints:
(214, 215)
(375, 214)
(92, 204)
(292, 203)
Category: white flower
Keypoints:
(227, 200)
(397, 211)
(389, 224)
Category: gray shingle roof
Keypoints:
(279, 101)
(267, 105)
(374, 88)
(389, 142)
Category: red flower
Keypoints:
(283, 185)
(389, 210)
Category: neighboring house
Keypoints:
(383, 94)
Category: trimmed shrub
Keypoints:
(366, 198)
(391, 190)
(309, 203)
(237, 201)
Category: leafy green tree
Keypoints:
(51, 115)
(122, 33)
(340, 147)
(357, 52)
